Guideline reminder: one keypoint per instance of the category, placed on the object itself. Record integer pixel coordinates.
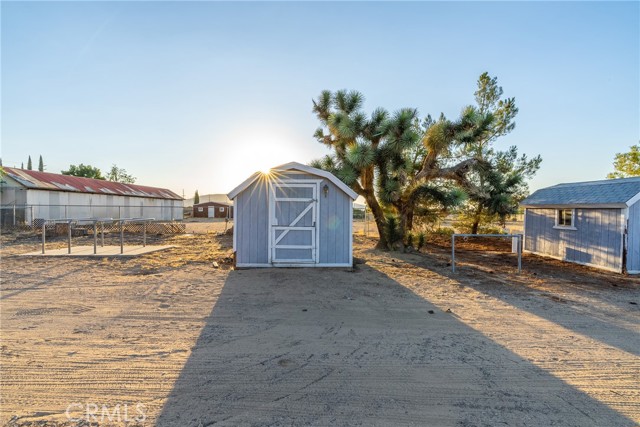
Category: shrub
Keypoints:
(409, 239)
(421, 238)
(392, 230)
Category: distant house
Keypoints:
(43, 195)
(213, 210)
(594, 223)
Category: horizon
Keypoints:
(198, 96)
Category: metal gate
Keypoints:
(293, 222)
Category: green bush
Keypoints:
(409, 239)
(421, 239)
(392, 230)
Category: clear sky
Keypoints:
(199, 95)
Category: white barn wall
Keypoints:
(61, 204)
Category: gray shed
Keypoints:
(594, 223)
(293, 216)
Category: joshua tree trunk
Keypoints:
(476, 219)
(378, 216)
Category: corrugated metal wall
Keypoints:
(61, 204)
(252, 223)
(597, 240)
(633, 239)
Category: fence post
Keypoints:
(44, 224)
(144, 234)
(95, 237)
(14, 214)
(121, 236)
(453, 253)
(519, 253)
(69, 238)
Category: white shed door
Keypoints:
(211, 211)
(293, 223)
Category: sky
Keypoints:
(199, 95)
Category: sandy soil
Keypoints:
(400, 340)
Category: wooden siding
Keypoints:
(633, 239)
(251, 224)
(252, 228)
(597, 240)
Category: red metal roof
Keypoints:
(57, 182)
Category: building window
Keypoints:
(200, 209)
(564, 218)
(221, 209)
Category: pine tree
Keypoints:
(29, 166)
(196, 198)
(626, 164)
(22, 165)
(40, 164)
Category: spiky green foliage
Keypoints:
(392, 231)
(421, 240)
(409, 239)
(398, 163)
(40, 164)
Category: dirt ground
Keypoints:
(168, 339)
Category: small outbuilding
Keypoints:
(594, 223)
(212, 210)
(293, 216)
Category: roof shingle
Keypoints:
(597, 193)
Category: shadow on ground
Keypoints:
(611, 314)
(332, 347)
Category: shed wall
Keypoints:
(252, 223)
(597, 240)
(633, 239)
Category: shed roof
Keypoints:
(621, 193)
(56, 182)
(299, 167)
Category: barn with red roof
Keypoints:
(44, 195)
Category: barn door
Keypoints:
(293, 222)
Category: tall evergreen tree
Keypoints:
(40, 164)
(196, 198)
(29, 166)
(21, 165)
(500, 186)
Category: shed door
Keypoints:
(211, 211)
(293, 223)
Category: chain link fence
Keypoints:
(166, 219)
